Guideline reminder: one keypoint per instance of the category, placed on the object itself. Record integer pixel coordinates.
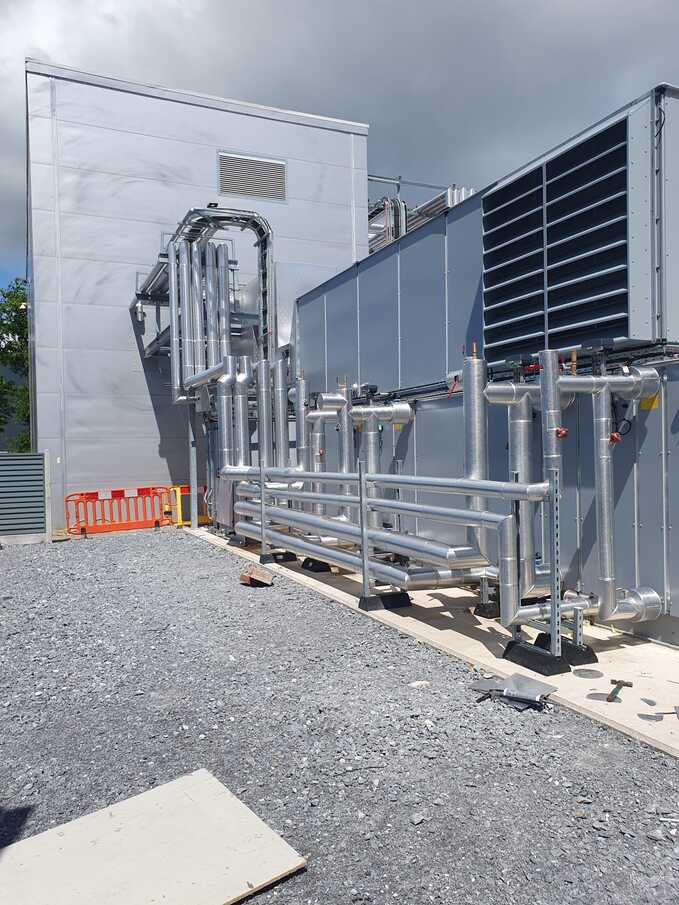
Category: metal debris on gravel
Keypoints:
(128, 660)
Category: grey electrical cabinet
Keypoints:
(577, 244)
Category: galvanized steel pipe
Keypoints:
(264, 413)
(474, 379)
(280, 382)
(188, 365)
(241, 415)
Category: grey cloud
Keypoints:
(454, 91)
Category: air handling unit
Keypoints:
(486, 402)
(577, 245)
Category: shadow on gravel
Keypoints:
(12, 822)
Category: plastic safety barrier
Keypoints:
(122, 509)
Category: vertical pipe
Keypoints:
(189, 368)
(603, 479)
(301, 423)
(371, 438)
(346, 426)
(193, 468)
(280, 385)
(225, 387)
(265, 439)
(211, 310)
(521, 464)
(173, 290)
(197, 306)
(318, 459)
(225, 384)
(550, 401)
(223, 301)
(241, 416)
(474, 378)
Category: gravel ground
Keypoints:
(128, 660)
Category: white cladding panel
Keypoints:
(111, 173)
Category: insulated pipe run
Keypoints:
(407, 580)
(340, 402)
(500, 490)
(301, 399)
(173, 290)
(211, 306)
(224, 405)
(197, 306)
(223, 301)
(521, 464)
(318, 420)
(188, 366)
(638, 604)
(551, 413)
(264, 413)
(474, 379)
(406, 545)
(371, 417)
(241, 416)
(280, 383)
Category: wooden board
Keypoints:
(188, 842)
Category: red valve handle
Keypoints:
(615, 437)
(561, 433)
(453, 387)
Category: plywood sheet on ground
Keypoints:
(188, 842)
(445, 620)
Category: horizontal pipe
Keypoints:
(456, 516)
(209, 375)
(504, 490)
(414, 547)
(393, 413)
(416, 579)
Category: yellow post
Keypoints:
(179, 521)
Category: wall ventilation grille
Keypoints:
(253, 176)
(555, 252)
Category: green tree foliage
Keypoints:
(14, 397)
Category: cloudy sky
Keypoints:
(454, 91)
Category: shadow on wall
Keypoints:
(12, 822)
(172, 420)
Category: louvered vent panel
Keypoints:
(253, 176)
(22, 494)
(555, 252)
(513, 268)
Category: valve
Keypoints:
(532, 369)
(615, 437)
(561, 433)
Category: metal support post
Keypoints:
(368, 585)
(193, 468)
(263, 549)
(555, 561)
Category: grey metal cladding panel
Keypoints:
(378, 319)
(341, 324)
(440, 453)
(639, 222)
(311, 338)
(151, 418)
(98, 462)
(22, 494)
(670, 165)
(465, 284)
(422, 301)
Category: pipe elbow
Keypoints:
(634, 605)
